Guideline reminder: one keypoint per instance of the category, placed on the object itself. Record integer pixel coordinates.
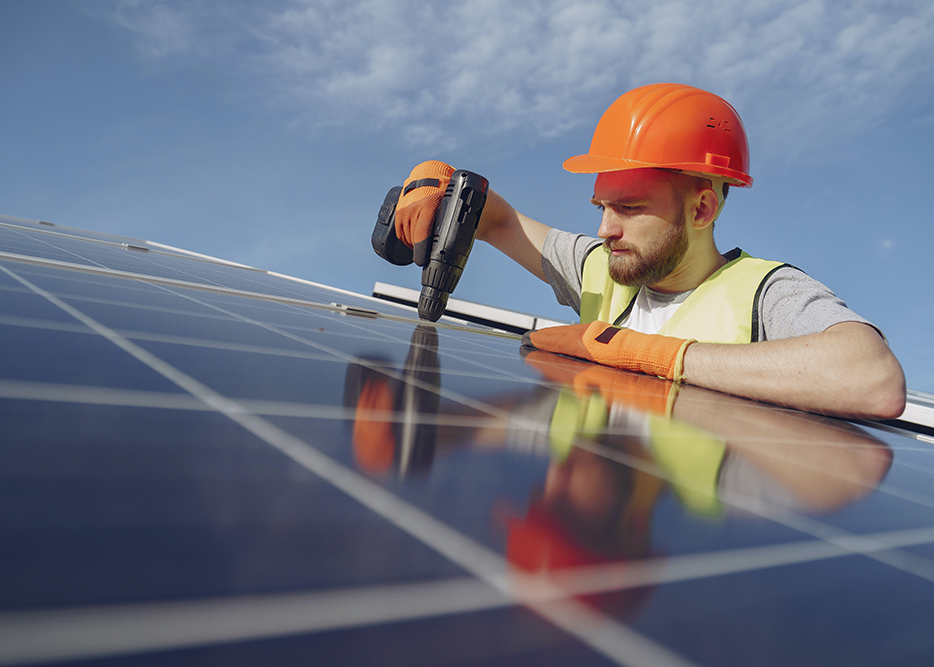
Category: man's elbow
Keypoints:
(886, 395)
(876, 379)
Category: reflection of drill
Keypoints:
(395, 416)
(452, 238)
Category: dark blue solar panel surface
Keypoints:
(209, 464)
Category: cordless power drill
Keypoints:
(452, 238)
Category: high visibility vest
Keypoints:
(723, 309)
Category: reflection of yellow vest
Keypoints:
(689, 458)
(723, 309)
(692, 460)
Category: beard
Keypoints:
(652, 264)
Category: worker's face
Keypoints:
(585, 486)
(643, 225)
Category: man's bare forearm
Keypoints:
(516, 235)
(847, 370)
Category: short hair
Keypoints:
(686, 184)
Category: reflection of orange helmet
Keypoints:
(669, 126)
(540, 543)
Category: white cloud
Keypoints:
(886, 248)
(802, 70)
(160, 31)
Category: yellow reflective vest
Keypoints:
(723, 309)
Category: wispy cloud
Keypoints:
(161, 31)
(886, 249)
(798, 69)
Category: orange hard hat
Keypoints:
(669, 126)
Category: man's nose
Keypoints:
(610, 226)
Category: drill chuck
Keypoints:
(431, 303)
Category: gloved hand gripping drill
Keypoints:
(432, 220)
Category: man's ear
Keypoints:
(706, 208)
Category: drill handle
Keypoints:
(453, 235)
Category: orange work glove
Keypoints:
(422, 193)
(605, 344)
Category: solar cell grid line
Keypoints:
(112, 254)
(777, 455)
(403, 315)
(907, 494)
(18, 245)
(920, 469)
(37, 238)
(130, 628)
(493, 370)
(608, 637)
(44, 392)
(165, 338)
(182, 264)
(188, 254)
(112, 240)
(279, 294)
(806, 525)
(40, 226)
(885, 487)
(89, 395)
(124, 259)
(146, 336)
(887, 554)
(84, 394)
(127, 629)
(465, 400)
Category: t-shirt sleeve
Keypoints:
(794, 304)
(563, 256)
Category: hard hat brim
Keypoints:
(597, 164)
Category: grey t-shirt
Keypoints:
(792, 303)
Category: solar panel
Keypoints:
(207, 463)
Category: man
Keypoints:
(657, 296)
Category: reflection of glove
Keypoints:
(640, 393)
(645, 394)
(605, 344)
(422, 193)
(374, 444)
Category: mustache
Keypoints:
(609, 246)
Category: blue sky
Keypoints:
(269, 132)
